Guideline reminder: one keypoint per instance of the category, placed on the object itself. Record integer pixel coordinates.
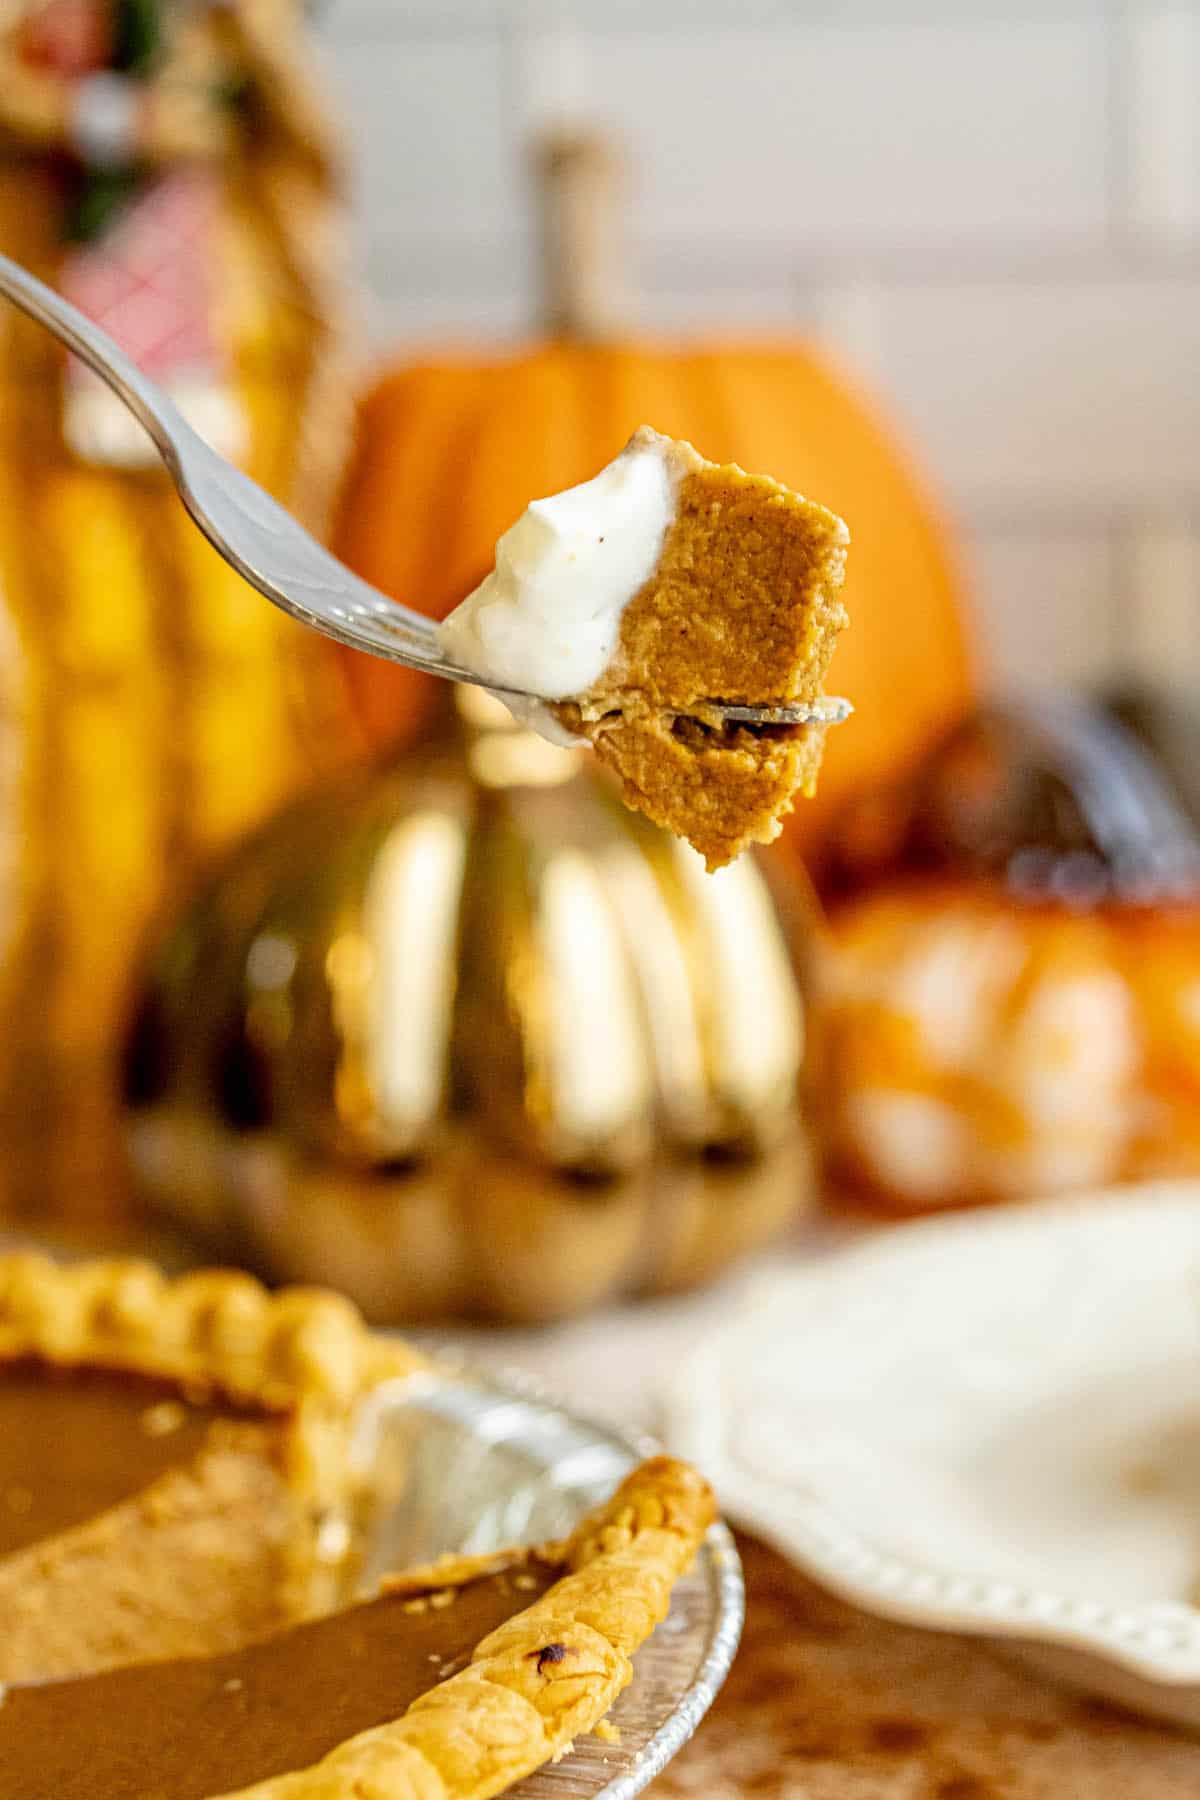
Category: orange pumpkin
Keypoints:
(1013, 1005)
(451, 450)
(981, 1051)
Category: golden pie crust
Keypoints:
(544, 1677)
(304, 1362)
(296, 1351)
(743, 606)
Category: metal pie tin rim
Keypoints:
(718, 1559)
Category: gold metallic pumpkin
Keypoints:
(464, 1035)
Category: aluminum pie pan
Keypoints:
(473, 1461)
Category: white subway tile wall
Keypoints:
(992, 210)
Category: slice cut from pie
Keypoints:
(176, 1493)
(743, 605)
(175, 1469)
(637, 601)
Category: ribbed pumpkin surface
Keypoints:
(467, 1035)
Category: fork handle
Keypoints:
(253, 533)
(145, 400)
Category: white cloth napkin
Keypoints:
(617, 1364)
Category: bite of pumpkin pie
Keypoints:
(635, 603)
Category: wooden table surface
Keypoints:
(824, 1703)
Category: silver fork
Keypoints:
(264, 544)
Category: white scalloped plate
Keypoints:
(989, 1424)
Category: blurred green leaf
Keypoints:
(99, 199)
(138, 31)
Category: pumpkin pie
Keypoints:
(178, 1505)
(743, 605)
(637, 600)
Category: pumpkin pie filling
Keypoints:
(74, 1442)
(202, 1560)
(138, 1518)
(189, 1729)
(175, 1477)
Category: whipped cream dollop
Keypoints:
(547, 619)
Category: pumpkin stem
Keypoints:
(580, 179)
